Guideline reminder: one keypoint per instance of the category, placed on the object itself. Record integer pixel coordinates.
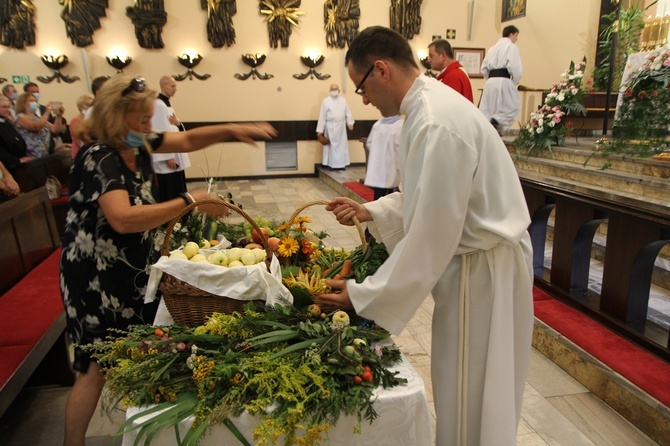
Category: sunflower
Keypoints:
(288, 246)
(301, 220)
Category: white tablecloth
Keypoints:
(634, 61)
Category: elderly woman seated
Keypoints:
(12, 145)
(36, 130)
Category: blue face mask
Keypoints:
(37, 96)
(134, 139)
(33, 106)
(14, 96)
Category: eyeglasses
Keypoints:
(136, 85)
(359, 88)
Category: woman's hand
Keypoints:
(252, 131)
(345, 209)
(213, 210)
(9, 186)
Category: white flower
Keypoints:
(561, 97)
(540, 122)
(114, 301)
(551, 123)
(91, 320)
(539, 130)
(84, 241)
(71, 311)
(127, 313)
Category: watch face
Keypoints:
(54, 188)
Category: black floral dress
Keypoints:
(103, 273)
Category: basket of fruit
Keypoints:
(197, 281)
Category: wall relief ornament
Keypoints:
(17, 23)
(148, 16)
(82, 19)
(220, 14)
(281, 15)
(341, 21)
(406, 17)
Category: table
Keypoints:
(404, 420)
(404, 416)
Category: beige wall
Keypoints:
(547, 45)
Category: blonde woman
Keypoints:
(83, 103)
(108, 236)
(36, 130)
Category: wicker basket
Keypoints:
(187, 304)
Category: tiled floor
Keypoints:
(557, 410)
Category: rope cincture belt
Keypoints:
(499, 72)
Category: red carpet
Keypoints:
(360, 189)
(643, 369)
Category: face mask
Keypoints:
(134, 139)
(334, 94)
(33, 106)
(37, 96)
(14, 96)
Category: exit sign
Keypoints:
(20, 79)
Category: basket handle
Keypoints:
(217, 201)
(361, 233)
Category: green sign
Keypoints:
(20, 79)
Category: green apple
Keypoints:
(198, 258)
(235, 263)
(178, 255)
(341, 317)
(204, 244)
(190, 249)
(259, 253)
(234, 254)
(248, 257)
(218, 258)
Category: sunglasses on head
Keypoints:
(136, 85)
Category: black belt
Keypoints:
(500, 72)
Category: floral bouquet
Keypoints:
(547, 126)
(298, 372)
(643, 119)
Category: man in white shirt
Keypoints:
(169, 167)
(502, 70)
(334, 119)
(382, 173)
(457, 230)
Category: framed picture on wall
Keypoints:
(513, 9)
(471, 59)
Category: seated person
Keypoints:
(8, 187)
(36, 131)
(12, 145)
(83, 103)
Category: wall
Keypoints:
(546, 50)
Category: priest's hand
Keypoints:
(345, 209)
(340, 301)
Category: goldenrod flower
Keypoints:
(287, 247)
(301, 220)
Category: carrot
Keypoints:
(346, 268)
(325, 272)
(338, 277)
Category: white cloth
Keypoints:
(334, 118)
(461, 194)
(242, 283)
(160, 122)
(500, 99)
(382, 169)
(404, 419)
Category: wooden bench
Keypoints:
(33, 345)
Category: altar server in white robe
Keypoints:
(382, 173)
(334, 119)
(502, 70)
(457, 230)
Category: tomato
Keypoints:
(159, 332)
(367, 376)
(358, 380)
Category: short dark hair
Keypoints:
(441, 45)
(6, 88)
(97, 84)
(378, 42)
(28, 85)
(511, 29)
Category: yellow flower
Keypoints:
(288, 246)
(301, 220)
(283, 228)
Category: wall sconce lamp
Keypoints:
(253, 60)
(189, 62)
(56, 63)
(2, 80)
(426, 65)
(119, 63)
(312, 62)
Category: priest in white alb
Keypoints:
(334, 119)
